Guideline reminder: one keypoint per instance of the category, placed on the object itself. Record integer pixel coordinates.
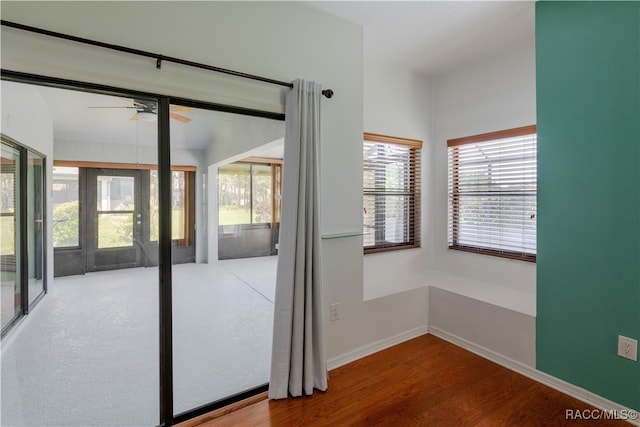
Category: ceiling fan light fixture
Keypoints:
(147, 116)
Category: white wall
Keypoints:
(495, 94)
(89, 151)
(507, 332)
(26, 107)
(22, 107)
(282, 40)
(255, 132)
(396, 103)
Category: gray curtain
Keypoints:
(298, 362)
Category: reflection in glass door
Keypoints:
(10, 244)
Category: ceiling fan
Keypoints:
(148, 111)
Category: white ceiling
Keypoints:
(431, 37)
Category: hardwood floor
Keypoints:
(422, 382)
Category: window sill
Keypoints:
(390, 249)
(494, 253)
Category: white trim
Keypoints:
(539, 376)
(374, 347)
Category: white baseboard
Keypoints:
(539, 376)
(359, 353)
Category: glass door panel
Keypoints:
(222, 311)
(35, 225)
(89, 353)
(98, 333)
(10, 237)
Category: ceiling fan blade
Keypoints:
(180, 118)
(181, 109)
(135, 117)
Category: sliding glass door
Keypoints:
(22, 248)
(9, 224)
(223, 310)
(143, 325)
(89, 352)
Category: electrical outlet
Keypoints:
(335, 311)
(628, 348)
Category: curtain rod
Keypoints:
(158, 57)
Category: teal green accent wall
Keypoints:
(588, 263)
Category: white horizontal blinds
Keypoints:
(492, 193)
(391, 204)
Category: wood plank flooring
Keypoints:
(422, 382)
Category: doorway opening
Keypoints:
(112, 222)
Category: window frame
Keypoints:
(276, 187)
(413, 190)
(452, 217)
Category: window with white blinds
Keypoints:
(391, 184)
(492, 193)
